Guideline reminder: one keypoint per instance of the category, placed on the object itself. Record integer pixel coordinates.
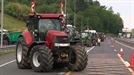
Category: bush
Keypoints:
(17, 10)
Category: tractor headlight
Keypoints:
(62, 44)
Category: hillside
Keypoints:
(13, 24)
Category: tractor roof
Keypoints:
(47, 15)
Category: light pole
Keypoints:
(2, 13)
(74, 12)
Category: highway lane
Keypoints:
(102, 60)
(127, 50)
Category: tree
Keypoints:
(89, 13)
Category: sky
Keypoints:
(124, 7)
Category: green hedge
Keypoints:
(17, 10)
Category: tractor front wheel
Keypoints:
(21, 54)
(41, 59)
(77, 58)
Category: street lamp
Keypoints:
(74, 12)
(2, 13)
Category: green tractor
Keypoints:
(74, 35)
(86, 39)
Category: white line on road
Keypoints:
(61, 73)
(90, 49)
(15, 60)
(123, 44)
(126, 63)
(7, 63)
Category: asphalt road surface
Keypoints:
(102, 60)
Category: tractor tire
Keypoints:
(41, 59)
(77, 58)
(21, 54)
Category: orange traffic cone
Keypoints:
(121, 52)
(132, 60)
(112, 46)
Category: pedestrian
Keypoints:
(99, 40)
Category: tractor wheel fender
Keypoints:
(28, 37)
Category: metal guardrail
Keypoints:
(8, 47)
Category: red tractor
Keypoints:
(44, 45)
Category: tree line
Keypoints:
(87, 13)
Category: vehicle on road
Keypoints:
(74, 35)
(44, 45)
(10, 37)
(86, 39)
(91, 38)
(101, 36)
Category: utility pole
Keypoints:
(2, 14)
(74, 12)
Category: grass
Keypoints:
(2, 52)
(13, 24)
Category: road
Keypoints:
(102, 60)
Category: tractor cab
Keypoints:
(39, 24)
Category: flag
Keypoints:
(62, 6)
(33, 6)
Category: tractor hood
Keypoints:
(51, 34)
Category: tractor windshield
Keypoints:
(49, 24)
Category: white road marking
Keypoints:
(123, 44)
(7, 63)
(115, 50)
(2, 65)
(62, 73)
(90, 49)
(126, 64)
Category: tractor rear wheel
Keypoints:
(41, 59)
(77, 58)
(21, 54)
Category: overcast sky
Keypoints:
(124, 7)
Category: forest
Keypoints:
(84, 14)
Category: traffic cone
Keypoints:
(112, 46)
(121, 52)
(132, 60)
